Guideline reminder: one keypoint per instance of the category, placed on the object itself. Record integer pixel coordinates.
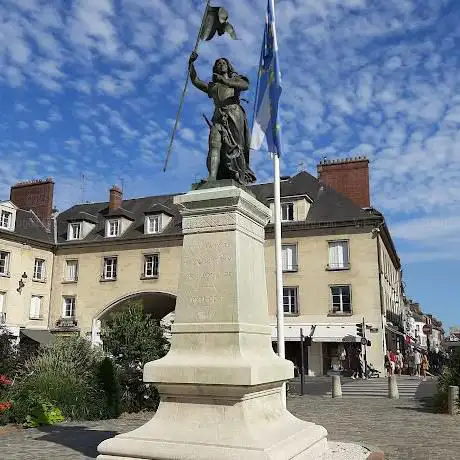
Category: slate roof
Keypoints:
(136, 208)
(29, 226)
(327, 206)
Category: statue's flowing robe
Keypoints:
(231, 121)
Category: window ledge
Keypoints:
(37, 280)
(107, 280)
(331, 313)
(337, 269)
(5, 275)
(69, 281)
(291, 314)
(290, 270)
(35, 318)
(155, 277)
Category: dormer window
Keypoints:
(287, 212)
(6, 219)
(113, 227)
(154, 224)
(75, 231)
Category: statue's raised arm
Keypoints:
(229, 140)
(201, 85)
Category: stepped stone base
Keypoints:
(221, 383)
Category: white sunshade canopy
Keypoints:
(335, 333)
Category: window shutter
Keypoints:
(35, 303)
(71, 270)
(2, 301)
(284, 258)
(333, 255)
(339, 252)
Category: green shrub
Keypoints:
(449, 377)
(8, 351)
(108, 381)
(43, 414)
(133, 338)
(63, 375)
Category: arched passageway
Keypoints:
(160, 305)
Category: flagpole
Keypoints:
(179, 110)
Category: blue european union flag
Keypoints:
(266, 123)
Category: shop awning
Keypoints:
(335, 333)
(292, 332)
(41, 336)
(394, 330)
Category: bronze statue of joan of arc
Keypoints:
(229, 138)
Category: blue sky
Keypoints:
(91, 87)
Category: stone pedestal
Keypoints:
(220, 383)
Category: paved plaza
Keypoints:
(404, 429)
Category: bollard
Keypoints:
(452, 400)
(336, 387)
(393, 392)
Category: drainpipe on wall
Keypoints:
(54, 217)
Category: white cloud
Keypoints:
(41, 125)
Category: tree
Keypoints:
(133, 338)
(8, 352)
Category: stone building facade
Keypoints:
(339, 263)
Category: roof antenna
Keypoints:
(83, 187)
(122, 181)
(301, 166)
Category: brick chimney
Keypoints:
(349, 176)
(116, 198)
(35, 195)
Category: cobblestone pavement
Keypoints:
(403, 429)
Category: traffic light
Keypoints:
(307, 341)
(359, 330)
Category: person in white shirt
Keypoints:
(417, 362)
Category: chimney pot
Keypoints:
(35, 195)
(115, 198)
(349, 176)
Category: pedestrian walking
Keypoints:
(354, 362)
(424, 366)
(399, 362)
(417, 362)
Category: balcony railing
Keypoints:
(66, 322)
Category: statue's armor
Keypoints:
(221, 93)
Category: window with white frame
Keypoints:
(39, 270)
(110, 268)
(287, 211)
(151, 264)
(341, 299)
(68, 308)
(113, 227)
(35, 307)
(154, 224)
(4, 263)
(5, 219)
(338, 255)
(71, 270)
(289, 257)
(75, 231)
(290, 301)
